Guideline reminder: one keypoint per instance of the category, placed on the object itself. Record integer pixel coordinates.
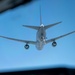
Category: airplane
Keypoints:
(41, 38)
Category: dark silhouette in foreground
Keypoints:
(49, 71)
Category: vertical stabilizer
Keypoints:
(40, 17)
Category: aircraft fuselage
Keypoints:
(40, 37)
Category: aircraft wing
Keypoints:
(56, 38)
(51, 25)
(19, 40)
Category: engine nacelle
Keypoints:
(54, 44)
(26, 46)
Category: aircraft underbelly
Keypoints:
(39, 45)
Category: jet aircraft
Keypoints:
(41, 38)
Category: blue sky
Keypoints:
(13, 56)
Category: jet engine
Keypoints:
(26, 46)
(54, 44)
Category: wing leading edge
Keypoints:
(19, 40)
(56, 38)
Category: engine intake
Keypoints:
(54, 44)
(26, 46)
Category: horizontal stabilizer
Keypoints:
(32, 27)
(51, 25)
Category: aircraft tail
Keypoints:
(40, 17)
(36, 27)
(32, 27)
(51, 25)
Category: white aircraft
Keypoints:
(41, 38)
